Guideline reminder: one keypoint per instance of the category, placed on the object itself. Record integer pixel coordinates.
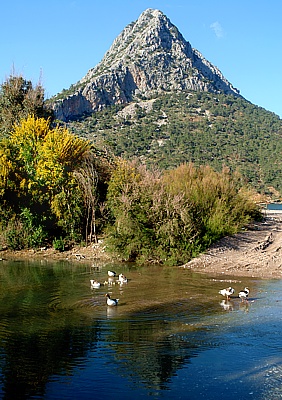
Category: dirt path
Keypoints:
(256, 252)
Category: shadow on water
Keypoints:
(171, 334)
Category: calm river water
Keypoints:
(172, 336)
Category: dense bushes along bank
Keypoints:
(57, 189)
(172, 216)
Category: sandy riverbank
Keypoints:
(93, 252)
(256, 252)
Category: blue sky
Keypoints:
(60, 40)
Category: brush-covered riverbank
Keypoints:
(254, 252)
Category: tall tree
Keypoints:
(37, 165)
(18, 99)
(87, 178)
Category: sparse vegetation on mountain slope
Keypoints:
(203, 128)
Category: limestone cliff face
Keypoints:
(149, 56)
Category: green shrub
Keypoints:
(15, 239)
(23, 232)
(59, 244)
(171, 218)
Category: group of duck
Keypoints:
(243, 294)
(94, 284)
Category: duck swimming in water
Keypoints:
(111, 302)
(122, 279)
(94, 284)
(111, 273)
(243, 294)
(227, 292)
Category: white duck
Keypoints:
(122, 279)
(111, 302)
(243, 294)
(227, 292)
(94, 284)
(111, 273)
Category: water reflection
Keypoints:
(148, 353)
(171, 334)
(227, 305)
(30, 359)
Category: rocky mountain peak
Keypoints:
(150, 35)
(149, 56)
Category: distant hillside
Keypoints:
(150, 56)
(204, 128)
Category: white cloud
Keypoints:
(217, 28)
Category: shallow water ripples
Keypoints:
(171, 336)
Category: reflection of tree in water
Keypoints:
(150, 351)
(41, 334)
(30, 360)
(155, 364)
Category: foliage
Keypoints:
(87, 178)
(52, 182)
(24, 231)
(129, 200)
(171, 217)
(59, 244)
(37, 171)
(18, 99)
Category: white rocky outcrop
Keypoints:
(149, 56)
